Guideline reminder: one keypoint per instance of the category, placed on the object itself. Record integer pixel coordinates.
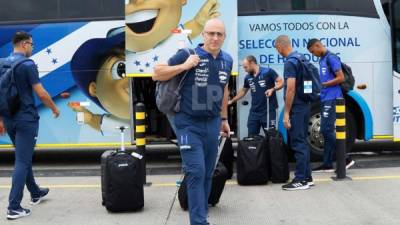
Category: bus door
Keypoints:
(396, 67)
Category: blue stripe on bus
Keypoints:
(57, 81)
(44, 35)
(368, 122)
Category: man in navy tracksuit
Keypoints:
(263, 83)
(331, 75)
(23, 126)
(296, 115)
(203, 112)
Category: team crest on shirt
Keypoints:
(223, 77)
(262, 83)
(323, 69)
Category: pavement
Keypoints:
(371, 197)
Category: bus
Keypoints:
(364, 33)
(74, 40)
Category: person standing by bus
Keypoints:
(203, 112)
(296, 115)
(331, 76)
(263, 83)
(23, 126)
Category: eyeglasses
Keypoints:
(27, 42)
(213, 34)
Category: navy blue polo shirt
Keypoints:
(258, 85)
(327, 73)
(26, 75)
(203, 89)
(292, 70)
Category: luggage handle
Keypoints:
(122, 130)
(267, 128)
(222, 140)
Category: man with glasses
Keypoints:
(263, 83)
(22, 126)
(203, 112)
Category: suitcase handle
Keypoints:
(122, 132)
(276, 115)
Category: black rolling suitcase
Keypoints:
(221, 174)
(121, 180)
(277, 157)
(227, 156)
(252, 158)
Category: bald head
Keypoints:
(214, 35)
(283, 45)
(215, 24)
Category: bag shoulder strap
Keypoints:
(190, 52)
(330, 54)
(14, 64)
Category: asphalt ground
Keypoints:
(370, 197)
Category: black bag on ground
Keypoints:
(252, 159)
(278, 159)
(217, 187)
(121, 181)
(220, 176)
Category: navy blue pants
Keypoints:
(299, 118)
(23, 135)
(198, 142)
(328, 118)
(256, 121)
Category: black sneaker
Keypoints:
(323, 169)
(349, 163)
(43, 192)
(15, 214)
(310, 182)
(296, 185)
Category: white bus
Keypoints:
(366, 36)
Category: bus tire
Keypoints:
(315, 138)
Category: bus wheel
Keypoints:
(315, 138)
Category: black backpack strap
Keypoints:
(190, 52)
(14, 65)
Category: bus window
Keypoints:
(396, 33)
(80, 9)
(37, 11)
(338, 7)
(74, 9)
(27, 10)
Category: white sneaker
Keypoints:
(15, 214)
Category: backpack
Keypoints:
(308, 84)
(9, 97)
(348, 83)
(168, 96)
